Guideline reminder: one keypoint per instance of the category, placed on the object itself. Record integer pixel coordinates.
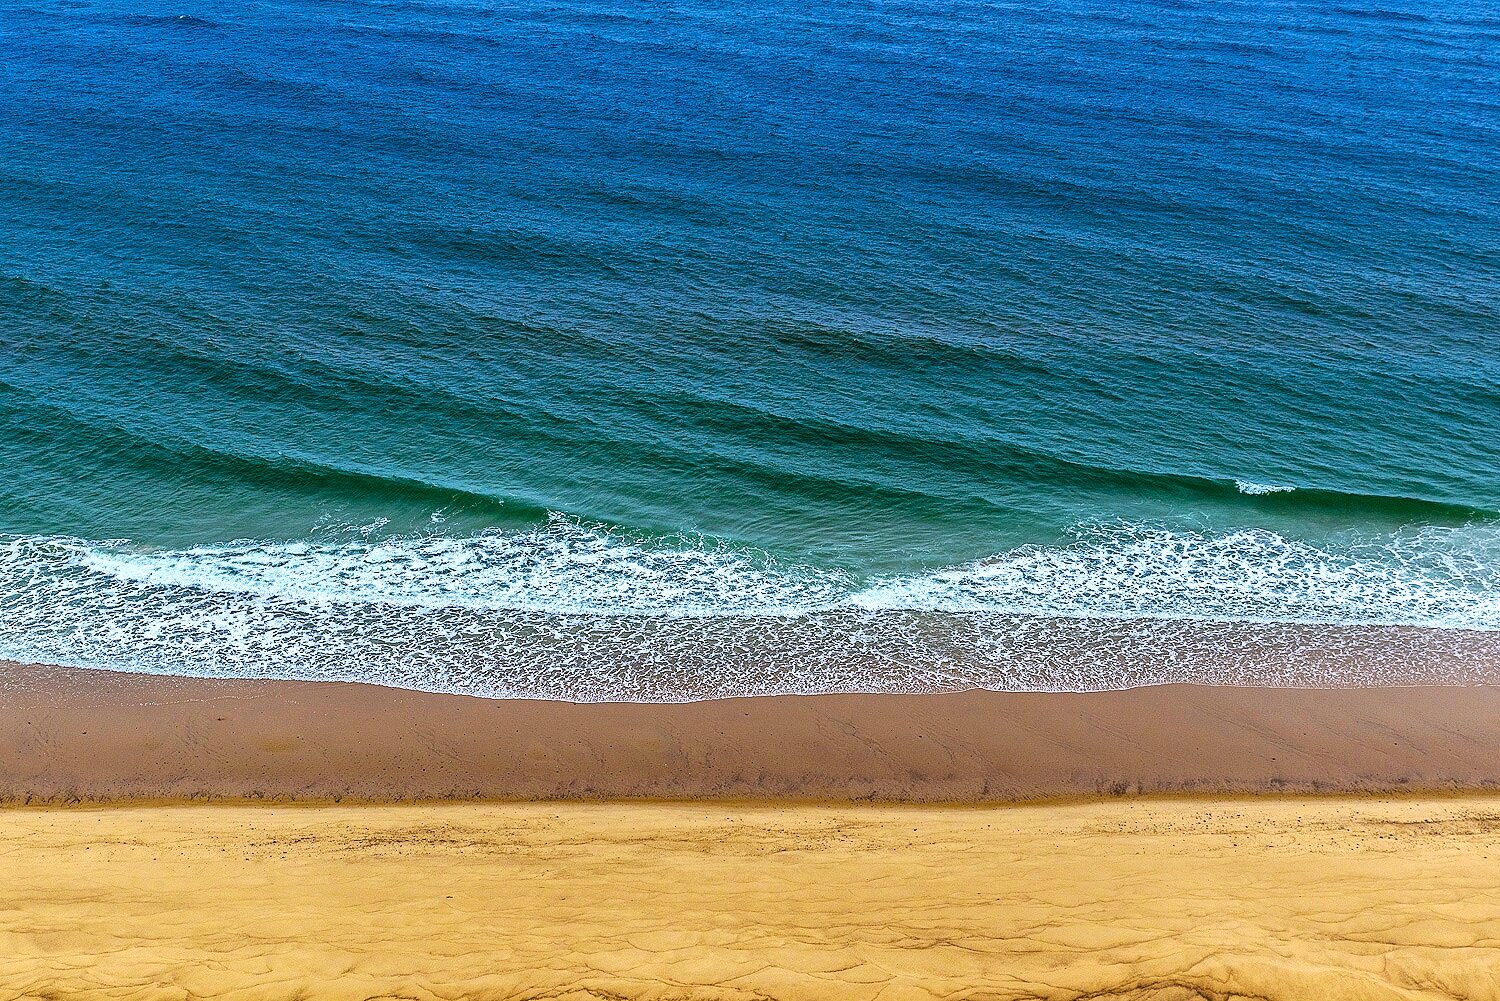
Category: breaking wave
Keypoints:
(1260, 489)
(569, 610)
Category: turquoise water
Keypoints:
(611, 350)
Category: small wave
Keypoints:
(1383, 14)
(170, 20)
(1257, 489)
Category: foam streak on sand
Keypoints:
(1337, 900)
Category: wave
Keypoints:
(168, 20)
(570, 610)
(1430, 577)
(563, 567)
(1433, 577)
(38, 423)
(897, 468)
(1258, 489)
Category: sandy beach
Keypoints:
(1333, 899)
(172, 837)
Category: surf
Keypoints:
(568, 609)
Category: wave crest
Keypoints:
(1254, 489)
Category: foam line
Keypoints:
(569, 610)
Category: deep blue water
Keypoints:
(629, 349)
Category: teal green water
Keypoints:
(618, 350)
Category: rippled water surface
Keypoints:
(605, 350)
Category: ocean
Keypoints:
(629, 350)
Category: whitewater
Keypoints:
(576, 611)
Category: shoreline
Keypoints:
(70, 735)
(223, 838)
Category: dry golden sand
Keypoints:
(1305, 899)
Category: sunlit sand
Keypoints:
(1298, 899)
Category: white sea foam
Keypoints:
(1429, 579)
(1432, 577)
(1250, 487)
(563, 568)
(568, 610)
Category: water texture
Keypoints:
(629, 350)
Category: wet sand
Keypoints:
(1333, 899)
(722, 852)
(69, 735)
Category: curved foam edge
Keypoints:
(571, 611)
